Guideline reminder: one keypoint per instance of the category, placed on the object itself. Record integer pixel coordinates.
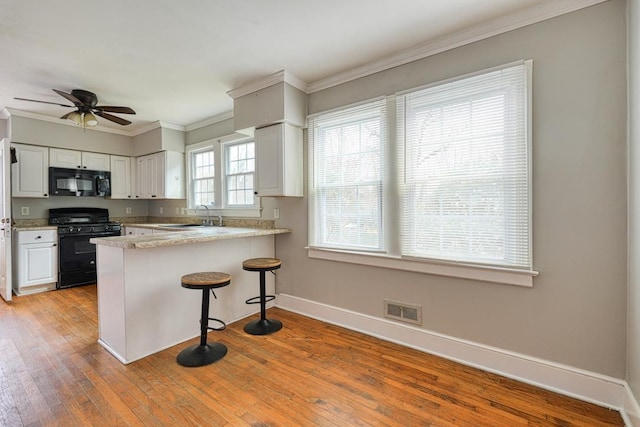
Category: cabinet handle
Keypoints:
(55, 244)
(39, 237)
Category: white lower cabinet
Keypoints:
(35, 261)
(136, 231)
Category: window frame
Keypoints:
(220, 205)
(391, 258)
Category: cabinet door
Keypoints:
(61, 158)
(95, 161)
(279, 160)
(38, 264)
(137, 231)
(30, 175)
(120, 177)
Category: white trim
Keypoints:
(630, 408)
(448, 269)
(209, 121)
(479, 32)
(567, 380)
(275, 78)
(154, 125)
(4, 114)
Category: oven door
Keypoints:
(77, 260)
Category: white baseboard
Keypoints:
(574, 382)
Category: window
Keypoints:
(465, 170)
(348, 168)
(203, 177)
(241, 164)
(233, 160)
(457, 200)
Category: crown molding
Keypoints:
(209, 121)
(483, 31)
(4, 114)
(280, 76)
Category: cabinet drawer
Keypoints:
(36, 236)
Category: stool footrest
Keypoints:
(222, 326)
(256, 300)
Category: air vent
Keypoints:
(404, 312)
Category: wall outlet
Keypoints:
(276, 213)
(24, 210)
(127, 210)
(161, 210)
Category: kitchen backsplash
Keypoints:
(228, 222)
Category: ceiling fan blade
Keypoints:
(112, 109)
(115, 119)
(44, 102)
(70, 97)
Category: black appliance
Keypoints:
(79, 182)
(77, 257)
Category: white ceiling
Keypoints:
(174, 61)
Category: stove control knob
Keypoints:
(70, 229)
(90, 228)
(107, 227)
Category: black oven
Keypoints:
(77, 256)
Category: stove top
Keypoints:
(83, 221)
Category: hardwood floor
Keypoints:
(53, 372)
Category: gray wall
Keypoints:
(576, 312)
(38, 132)
(633, 331)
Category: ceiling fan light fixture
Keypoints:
(75, 117)
(90, 120)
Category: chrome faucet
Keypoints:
(206, 221)
(219, 220)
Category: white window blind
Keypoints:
(464, 170)
(347, 150)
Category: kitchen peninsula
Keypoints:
(142, 308)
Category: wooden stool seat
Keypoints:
(209, 279)
(203, 354)
(257, 264)
(262, 326)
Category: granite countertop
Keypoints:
(182, 237)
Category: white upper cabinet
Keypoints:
(279, 161)
(121, 177)
(30, 175)
(160, 176)
(73, 159)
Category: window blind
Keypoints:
(347, 150)
(464, 170)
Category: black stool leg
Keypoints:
(263, 326)
(203, 354)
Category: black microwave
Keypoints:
(79, 182)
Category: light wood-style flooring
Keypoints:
(53, 372)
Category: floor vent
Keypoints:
(404, 312)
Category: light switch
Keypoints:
(24, 210)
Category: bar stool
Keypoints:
(262, 326)
(203, 354)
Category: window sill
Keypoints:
(449, 269)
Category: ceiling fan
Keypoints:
(87, 108)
